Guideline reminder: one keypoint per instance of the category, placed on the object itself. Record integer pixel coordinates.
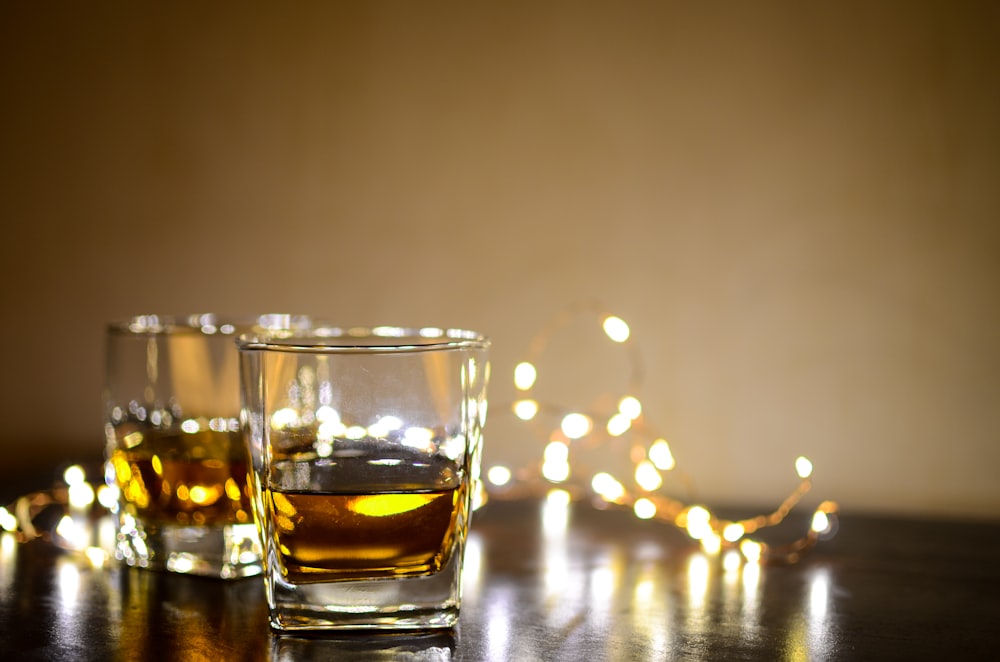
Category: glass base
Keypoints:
(412, 603)
(226, 552)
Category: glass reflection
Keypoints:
(8, 555)
(421, 647)
(498, 613)
(472, 569)
(818, 626)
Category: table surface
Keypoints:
(550, 582)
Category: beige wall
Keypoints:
(795, 206)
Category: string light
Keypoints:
(652, 458)
(651, 455)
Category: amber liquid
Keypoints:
(170, 477)
(328, 537)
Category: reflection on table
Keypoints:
(551, 580)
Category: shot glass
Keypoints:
(365, 449)
(174, 448)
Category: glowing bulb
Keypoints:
(644, 508)
(326, 414)
(607, 487)
(80, 495)
(191, 426)
(107, 495)
(820, 522)
(279, 419)
(731, 562)
(8, 522)
(498, 475)
(576, 425)
(618, 425)
(630, 406)
(733, 532)
(647, 476)
(710, 542)
(616, 328)
(525, 409)
(556, 465)
(555, 470)
(524, 376)
(74, 475)
(390, 423)
(556, 451)
(661, 456)
(803, 467)
(751, 550)
(699, 522)
(420, 438)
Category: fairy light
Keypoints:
(525, 409)
(660, 455)
(647, 476)
(524, 376)
(576, 425)
(619, 424)
(499, 475)
(651, 454)
(652, 457)
(630, 407)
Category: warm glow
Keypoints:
(731, 562)
(803, 467)
(607, 487)
(525, 409)
(733, 532)
(7, 520)
(279, 419)
(327, 414)
(74, 475)
(751, 550)
(647, 477)
(630, 406)
(576, 425)
(644, 508)
(107, 495)
(616, 328)
(524, 376)
(375, 505)
(80, 495)
(699, 522)
(820, 522)
(419, 438)
(556, 462)
(498, 475)
(619, 425)
(711, 543)
(191, 426)
(660, 455)
(355, 432)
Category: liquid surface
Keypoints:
(171, 477)
(332, 536)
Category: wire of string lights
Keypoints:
(651, 457)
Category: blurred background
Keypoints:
(795, 206)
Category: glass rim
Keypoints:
(327, 339)
(207, 324)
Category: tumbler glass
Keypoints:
(365, 447)
(174, 448)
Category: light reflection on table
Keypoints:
(547, 580)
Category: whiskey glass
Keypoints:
(174, 451)
(365, 448)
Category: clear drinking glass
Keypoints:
(365, 447)
(174, 448)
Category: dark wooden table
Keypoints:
(580, 585)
